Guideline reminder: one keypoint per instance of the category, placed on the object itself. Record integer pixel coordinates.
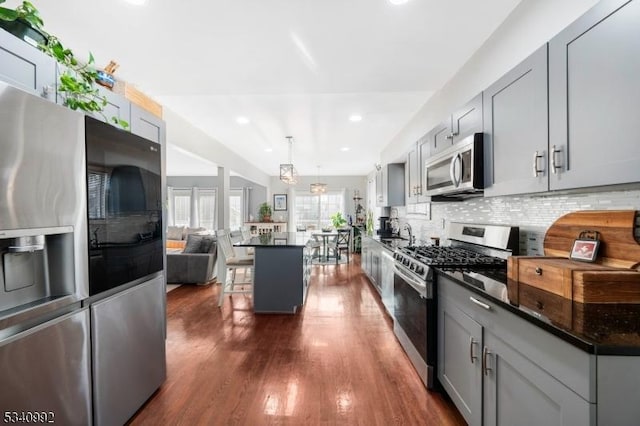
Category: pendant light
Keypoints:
(288, 173)
(318, 188)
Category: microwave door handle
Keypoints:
(456, 174)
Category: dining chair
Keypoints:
(232, 263)
(341, 243)
(246, 235)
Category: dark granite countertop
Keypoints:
(390, 243)
(598, 328)
(278, 239)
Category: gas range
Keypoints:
(472, 247)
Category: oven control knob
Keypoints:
(405, 262)
(412, 266)
(419, 270)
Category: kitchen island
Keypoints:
(282, 265)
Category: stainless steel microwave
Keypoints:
(456, 172)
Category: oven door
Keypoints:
(415, 316)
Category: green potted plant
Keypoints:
(337, 220)
(264, 212)
(77, 82)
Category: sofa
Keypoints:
(195, 263)
(177, 235)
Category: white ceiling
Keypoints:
(292, 67)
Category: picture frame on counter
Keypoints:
(585, 250)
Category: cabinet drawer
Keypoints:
(568, 364)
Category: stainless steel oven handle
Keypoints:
(415, 284)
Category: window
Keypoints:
(314, 211)
(97, 184)
(235, 209)
(182, 207)
(207, 208)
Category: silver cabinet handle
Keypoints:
(419, 190)
(536, 160)
(479, 303)
(471, 343)
(485, 366)
(555, 165)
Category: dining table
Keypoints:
(326, 237)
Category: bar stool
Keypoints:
(231, 264)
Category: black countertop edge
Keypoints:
(573, 340)
(277, 239)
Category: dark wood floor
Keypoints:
(335, 362)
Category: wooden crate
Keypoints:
(137, 97)
(577, 281)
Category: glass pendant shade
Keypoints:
(318, 188)
(288, 173)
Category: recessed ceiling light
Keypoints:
(355, 118)
(268, 149)
(345, 149)
(397, 2)
(242, 120)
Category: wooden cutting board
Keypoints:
(618, 246)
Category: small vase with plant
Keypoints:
(264, 212)
(77, 81)
(337, 220)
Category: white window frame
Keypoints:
(320, 222)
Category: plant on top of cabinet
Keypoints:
(264, 211)
(77, 83)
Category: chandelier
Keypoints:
(288, 173)
(318, 188)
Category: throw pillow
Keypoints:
(194, 244)
(174, 232)
(208, 244)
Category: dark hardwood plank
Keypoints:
(335, 362)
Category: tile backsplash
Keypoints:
(532, 213)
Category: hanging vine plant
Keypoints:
(76, 84)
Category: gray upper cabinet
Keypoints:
(147, 125)
(117, 106)
(594, 98)
(412, 175)
(462, 123)
(516, 129)
(24, 66)
(467, 120)
(390, 185)
(413, 171)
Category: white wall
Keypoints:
(183, 134)
(529, 26)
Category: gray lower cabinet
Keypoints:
(594, 98)
(517, 391)
(128, 347)
(24, 66)
(147, 125)
(371, 258)
(499, 369)
(46, 371)
(516, 129)
(459, 369)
